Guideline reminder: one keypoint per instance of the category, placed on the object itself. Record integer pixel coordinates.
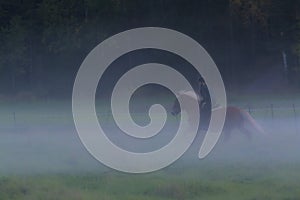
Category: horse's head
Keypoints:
(186, 96)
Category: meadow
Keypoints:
(41, 157)
(198, 182)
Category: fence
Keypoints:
(273, 115)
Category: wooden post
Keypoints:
(295, 118)
(14, 118)
(294, 109)
(272, 111)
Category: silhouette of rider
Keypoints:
(205, 104)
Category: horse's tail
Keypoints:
(251, 121)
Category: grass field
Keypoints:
(41, 157)
(197, 182)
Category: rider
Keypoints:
(205, 103)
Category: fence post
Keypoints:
(294, 109)
(295, 118)
(14, 118)
(272, 111)
(249, 109)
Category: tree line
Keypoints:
(43, 42)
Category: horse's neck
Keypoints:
(195, 95)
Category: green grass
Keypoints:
(210, 182)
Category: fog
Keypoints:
(44, 140)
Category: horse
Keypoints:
(236, 118)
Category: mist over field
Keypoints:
(41, 152)
(38, 139)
